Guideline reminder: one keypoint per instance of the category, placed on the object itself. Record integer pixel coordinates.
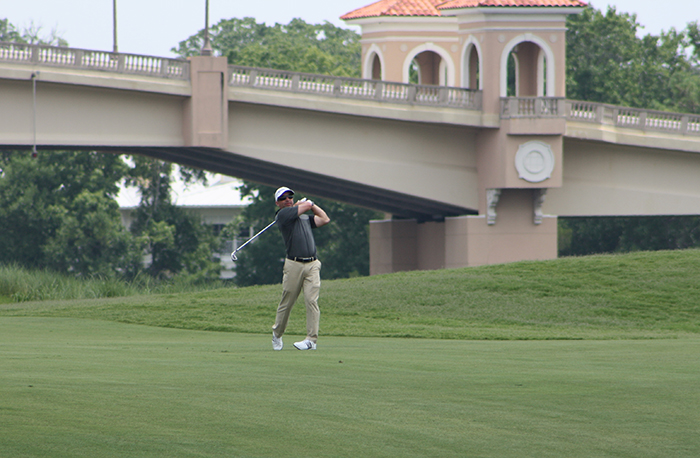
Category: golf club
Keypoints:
(233, 255)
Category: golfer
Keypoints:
(302, 271)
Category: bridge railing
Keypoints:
(633, 118)
(532, 107)
(354, 88)
(94, 60)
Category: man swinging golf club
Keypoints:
(302, 271)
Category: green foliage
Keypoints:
(342, 245)
(91, 239)
(297, 46)
(177, 241)
(8, 32)
(607, 62)
(583, 236)
(57, 211)
(32, 34)
(21, 285)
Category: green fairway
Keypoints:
(86, 388)
(575, 357)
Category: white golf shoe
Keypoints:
(305, 345)
(277, 343)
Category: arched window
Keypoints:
(373, 64)
(527, 68)
(376, 68)
(471, 65)
(429, 64)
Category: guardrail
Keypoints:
(94, 60)
(532, 107)
(633, 118)
(354, 88)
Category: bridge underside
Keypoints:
(274, 175)
(270, 174)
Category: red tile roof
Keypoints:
(505, 3)
(433, 7)
(397, 8)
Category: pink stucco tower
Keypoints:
(513, 51)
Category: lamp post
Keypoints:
(206, 49)
(114, 26)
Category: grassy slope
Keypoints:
(637, 295)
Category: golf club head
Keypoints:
(233, 257)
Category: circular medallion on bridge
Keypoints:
(534, 161)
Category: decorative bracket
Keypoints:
(537, 201)
(492, 196)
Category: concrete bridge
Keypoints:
(417, 152)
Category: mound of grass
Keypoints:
(636, 295)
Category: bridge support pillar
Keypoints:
(519, 232)
(206, 112)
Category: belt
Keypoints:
(313, 258)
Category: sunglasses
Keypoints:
(283, 198)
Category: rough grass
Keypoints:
(21, 285)
(637, 295)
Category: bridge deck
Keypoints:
(130, 103)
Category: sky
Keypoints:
(153, 27)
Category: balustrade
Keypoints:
(438, 96)
(532, 107)
(355, 88)
(633, 118)
(94, 60)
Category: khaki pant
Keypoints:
(298, 276)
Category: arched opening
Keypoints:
(430, 68)
(471, 75)
(512, 88)
(526, 71)
(376, 71)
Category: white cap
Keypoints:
(281, 191)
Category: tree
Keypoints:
(607, 62)
(342, 245)
(58, 211)
(297, 46)
(91, 239)
(32, 35)
(581, 236)
(177, 241)
(8, 32)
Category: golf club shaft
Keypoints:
(233, 255)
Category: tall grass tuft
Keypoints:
(20, 285)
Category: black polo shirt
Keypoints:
(296, 232)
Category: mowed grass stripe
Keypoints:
(636, 295)
(84, 388)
